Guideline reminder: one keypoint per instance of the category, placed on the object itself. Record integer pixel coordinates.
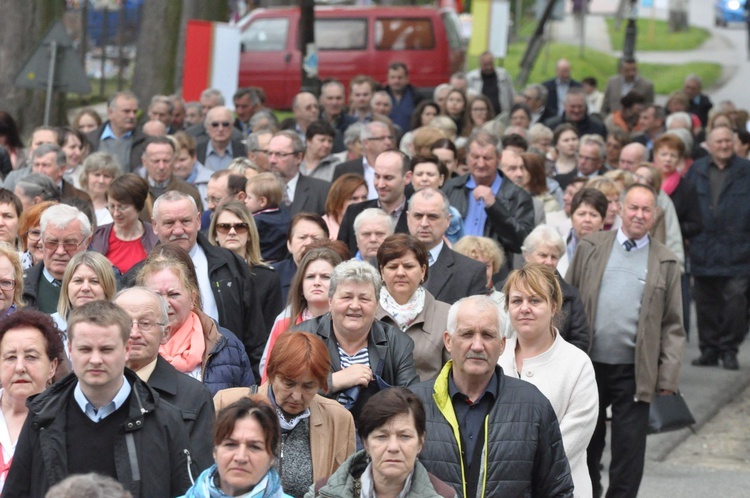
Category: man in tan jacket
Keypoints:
(630, 286)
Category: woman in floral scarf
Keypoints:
(404, 303)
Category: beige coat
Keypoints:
(660, 338)
(331, 429)
(427, 333)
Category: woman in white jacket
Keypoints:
(535, 352)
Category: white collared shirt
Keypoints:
(96, 415)
(291, 187)
(204, 283)
(639, 244)
(435, 252)
(372, 193)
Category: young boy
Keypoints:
(264, 193)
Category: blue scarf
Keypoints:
(205, 486)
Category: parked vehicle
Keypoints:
(726, 11)
(350, 41)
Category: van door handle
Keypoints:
(287, 57)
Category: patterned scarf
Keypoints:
(286, 425)
(206, 486)
(184, 350)
(405, 314)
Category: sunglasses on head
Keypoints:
(224, 228)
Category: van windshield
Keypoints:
(404, 34)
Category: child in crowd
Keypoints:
(264, 193)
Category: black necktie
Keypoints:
(629, 245)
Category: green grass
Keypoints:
(657, 36)
(666, 77)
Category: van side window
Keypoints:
(404, 34)
(264, 35)
(341, 34)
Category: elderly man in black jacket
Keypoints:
(149, 313)
(224, 279)
(509, 440)
(490, 204)
(101, 418)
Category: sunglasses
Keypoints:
(224, 228)
(225, 124)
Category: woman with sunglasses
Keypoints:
(127, 240)
(233, 227)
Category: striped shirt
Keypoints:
(361, 357)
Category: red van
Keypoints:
(350, 41)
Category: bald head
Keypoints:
(562, 70)
(632, 156)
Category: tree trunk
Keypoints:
(22, 26)
(678, 15)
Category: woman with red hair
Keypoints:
(317, 433)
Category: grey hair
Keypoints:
(685, 136)
(260, 115)
(429, 193)
(37, 184)
(331, 83)
(217, 109)
(483, 138)
(213, 93)
(438, 89)
(162, 99)
(102, 161)
(193, 105)
(680, 116)
(298, 146)
(61, 215)
(541, 235)
(161, 303)
(483, 302)
(593, 138)
(538, 131)
(369, 129)
(372, 214)
(541, 91)
(694, 77)
(171, 196)
(45, 149)
(125, 95)
(353, 133)
(253, 140)
(89, 485)
(360, 272)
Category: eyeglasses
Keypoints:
(121, 208)
(264, 151)
(225, 124)
(34, 234)
(68, 245)
(280, 154)
(7, 284)
(147, 325)
(379, 139)
(213, 200)
(224, 228)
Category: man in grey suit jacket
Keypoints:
(452, 276)
(301, 193)
(618, 86)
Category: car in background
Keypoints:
(726, 11)
(350, 41)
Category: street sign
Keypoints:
(68, 73)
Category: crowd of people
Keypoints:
(412, 295)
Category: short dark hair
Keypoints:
(632, 98)
(257, 407)
(236, 183)
(643, 186)
(42, 322)
(590, 80)
(320, 127)
(129, 189)
(515, 140)
(385, 405)
(398, 65)
(8, 197)
(591, 197)
(311, 217)
(397, 246)
(430, 158)
(562, 128)
(159, 141)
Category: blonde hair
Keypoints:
(103, 269)
(12, 254)
(478, 248)
(266, 185)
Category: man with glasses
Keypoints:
(158, 160)
(223, 185)
(591, 154)
(65, 232)
(257, 148)
(224, 280)
(217, 152)
(191, 397)
(301, 193)
(376, 137)
(535, 96)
